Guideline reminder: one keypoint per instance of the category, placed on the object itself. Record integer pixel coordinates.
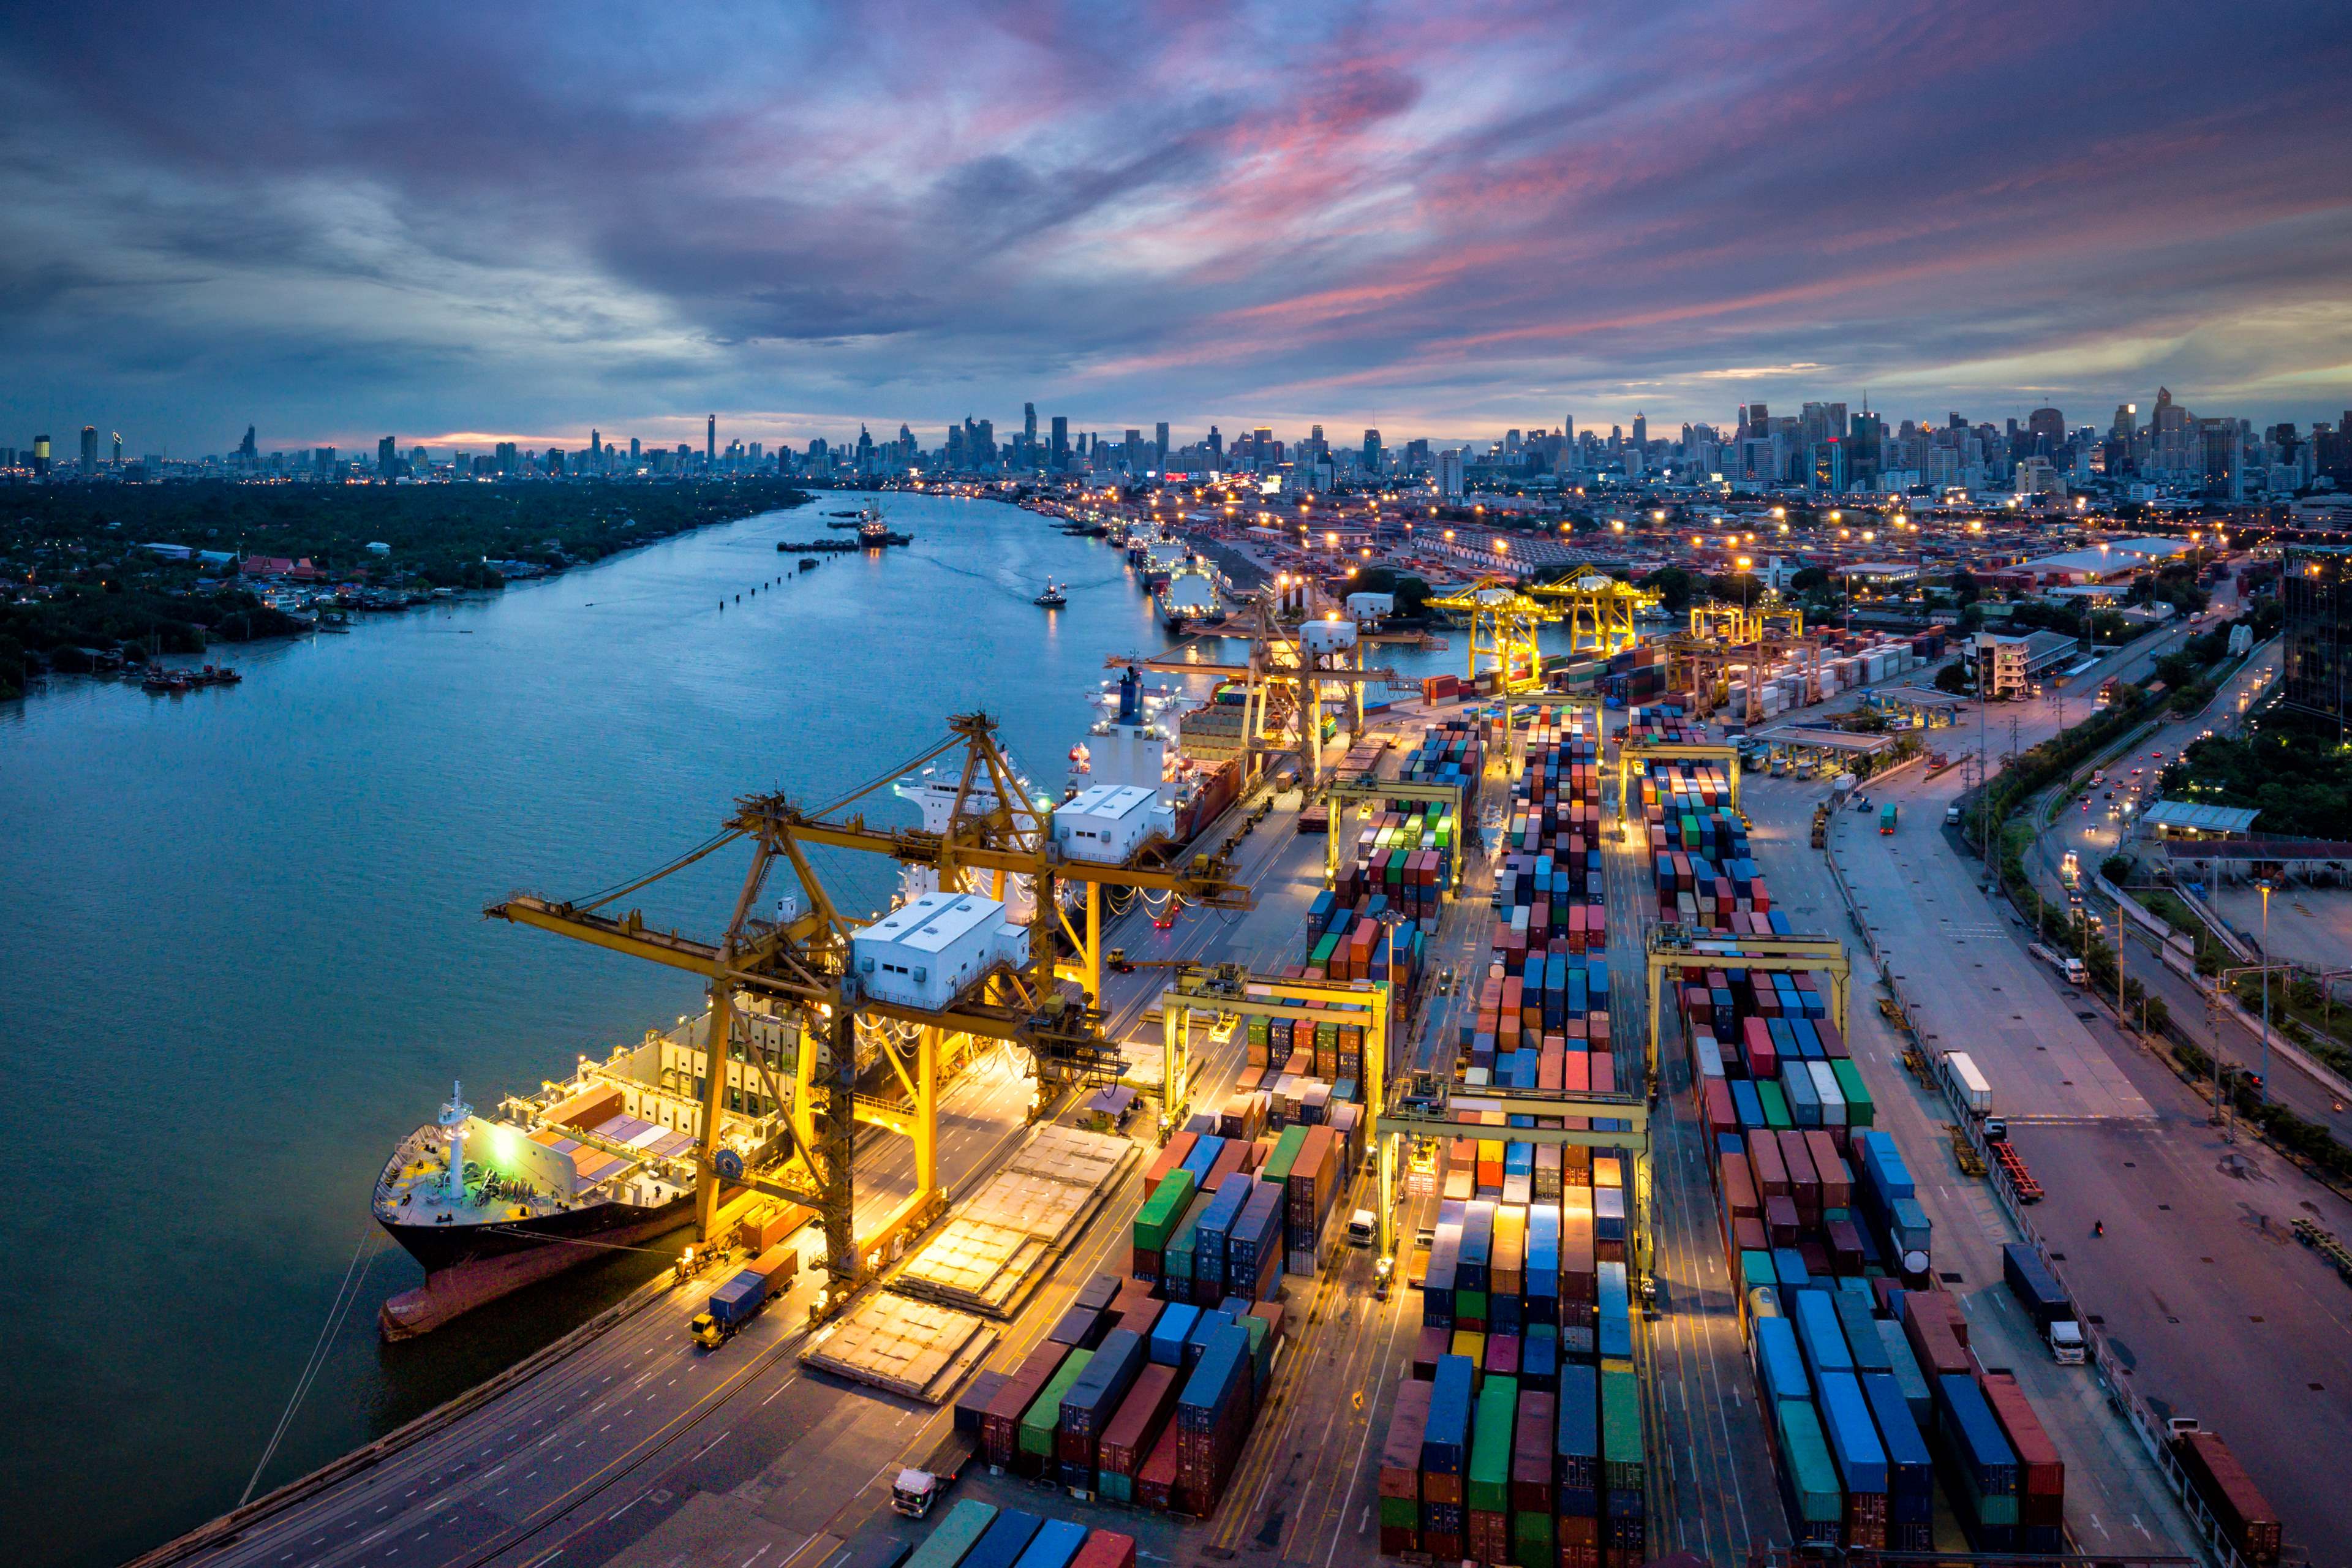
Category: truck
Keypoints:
(2070, 872)
(918, 1487)
(739, 1300)
(1964, 1086)
(2044, 1299)
(1886, 817)
(2066, 963)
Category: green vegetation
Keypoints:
(2307, 1140)
(1411, 592)
(2289, 767)
(82, 580)
(1955, 679)
(2299, 1009)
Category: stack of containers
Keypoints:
(1035, 1456)
(1625, 1468)
(1445, 1461)
(1488, 1495)
(1127, 1441)
(1867, 1385)
(1212, 1418)
(1000, 1428)
(1400, 1478)
(1090, 1405)
(1311, 1186)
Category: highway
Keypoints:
(2221, 1316)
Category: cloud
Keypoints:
(543, 217)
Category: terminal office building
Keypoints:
(2318, 630)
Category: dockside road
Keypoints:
(2197, 1280)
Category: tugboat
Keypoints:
(1053, 599)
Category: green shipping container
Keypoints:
(1806, 1453)
(1323, 948)
(1531, 1537)
(1044, 1413)
(1285, 1155)
(945, 1547)
(1860, 1111)
(1470, 1304)
(1756, 1269)
(1775, 1102)
(1176, 1261)
(1399, 1513)
(1155, 1222)
(1490, 1445)
(1624, 1462)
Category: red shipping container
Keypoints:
(1155, 1483)
(1105, 1549)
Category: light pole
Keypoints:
(2265, 1089)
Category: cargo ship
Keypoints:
(1188, 598)
(1138, 743)
(489, 1203)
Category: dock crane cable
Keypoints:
(355, 1273)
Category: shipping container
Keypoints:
(1056, 1542)
(952, 1539)
(1006, 1538)
(2229, 1493)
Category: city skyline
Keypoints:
(1444, 225)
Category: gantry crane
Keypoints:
(1284, 687)
(1503, 622)
(800, 962)
(1600, 611)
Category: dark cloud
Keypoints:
(429, 217)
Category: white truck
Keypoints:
(2066, 963)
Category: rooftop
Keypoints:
(2184, 817)
(934, 921)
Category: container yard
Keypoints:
(1879, 1405)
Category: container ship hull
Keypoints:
(471, 1265)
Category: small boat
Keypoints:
(1053, 599)
(808, 563)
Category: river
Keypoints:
(246, 951)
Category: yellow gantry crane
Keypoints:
(1600, 611)
(1503, 621)
(1289, 676)
(799, 965)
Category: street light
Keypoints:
(2265, 886)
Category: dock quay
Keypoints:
(627, 1445)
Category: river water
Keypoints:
(244, 954)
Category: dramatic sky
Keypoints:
(458, 223)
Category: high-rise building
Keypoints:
(1159, 434)
(118, 448)
(2315, 593)
(1449, 472)
(710, 440)
(506, 457)
(246, 451)
(40, 455)
(633, 452)
(2046, 429)
(387, 458)
(1372, 452)
(1566, 431)
(1028, 425)
(89, 450)
(1061, 458)
(1640, 431)
(1216, 442)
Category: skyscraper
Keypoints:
(1449, 472)
(1061, 458)
(710, 441)
(1372, 452)
(40, 455)
(387, 456)
(2046, 429)
(1161, 433)
(246, 452)
(1640, 431)
(1028, 425)
(89, 450)
(118, 448)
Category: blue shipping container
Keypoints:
(1006, 1540)
(1054, 1544)
(1780, 1364)
(1169, 1334)
(1446, 1436)
(1854, 1437)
